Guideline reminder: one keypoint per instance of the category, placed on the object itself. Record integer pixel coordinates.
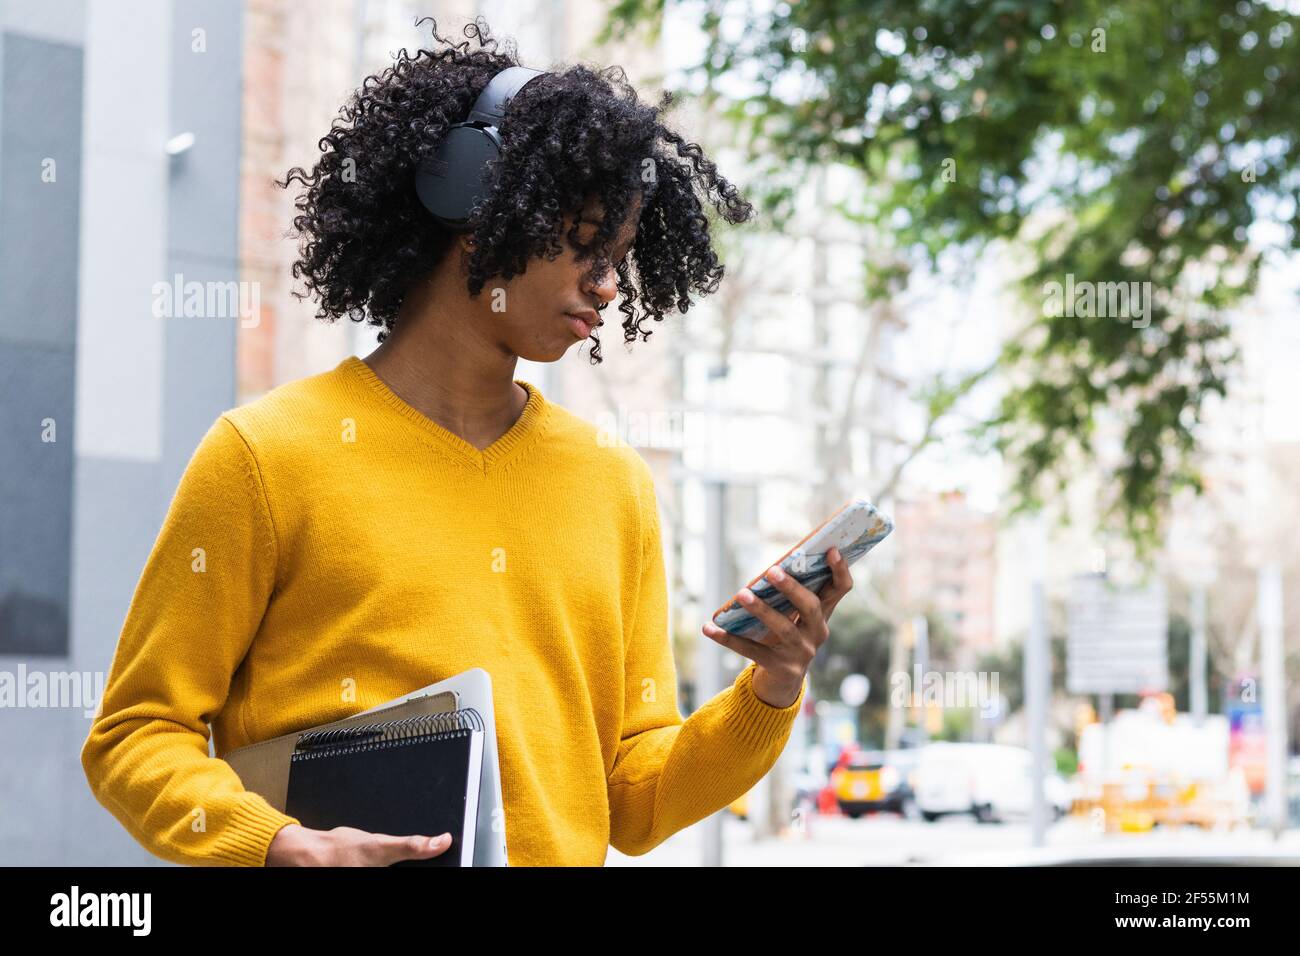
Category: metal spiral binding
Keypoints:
(388, 733)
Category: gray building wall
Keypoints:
(103, 87)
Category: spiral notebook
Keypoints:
(414, 775)
(263, 767)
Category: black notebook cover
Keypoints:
(419, 775)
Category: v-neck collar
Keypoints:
(526, 428)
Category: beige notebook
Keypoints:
(263, 767)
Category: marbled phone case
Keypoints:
(855, 529)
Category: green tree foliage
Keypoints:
(1108, 142)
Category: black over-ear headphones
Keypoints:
(451, 180)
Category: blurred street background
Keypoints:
(1025, 277)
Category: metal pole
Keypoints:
(1197, 656)
(1037, 688)
(710, 652)
(1105, 711)
(920, 664)
(1274, 696)
(897, 661)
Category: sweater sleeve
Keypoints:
(191, 620)
(672, 772)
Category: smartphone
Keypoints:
(855, 529)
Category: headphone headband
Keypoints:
(489, 108)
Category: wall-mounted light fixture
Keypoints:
(179, 143)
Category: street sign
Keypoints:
(1118, 638)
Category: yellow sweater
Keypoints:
(330, 548)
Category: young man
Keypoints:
(358, 534)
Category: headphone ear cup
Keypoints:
(454, 178)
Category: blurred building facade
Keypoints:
(138, 153)
(119, 188)
(947, 565)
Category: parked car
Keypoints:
(872, 781)
(989, 781)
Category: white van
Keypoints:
(988, 781)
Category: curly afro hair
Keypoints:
(567, 136)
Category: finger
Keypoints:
(743, 646)
(807, 603)
(841, 580)
(397, 848)
(434, 846)
(761, 636)
(777, 624)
